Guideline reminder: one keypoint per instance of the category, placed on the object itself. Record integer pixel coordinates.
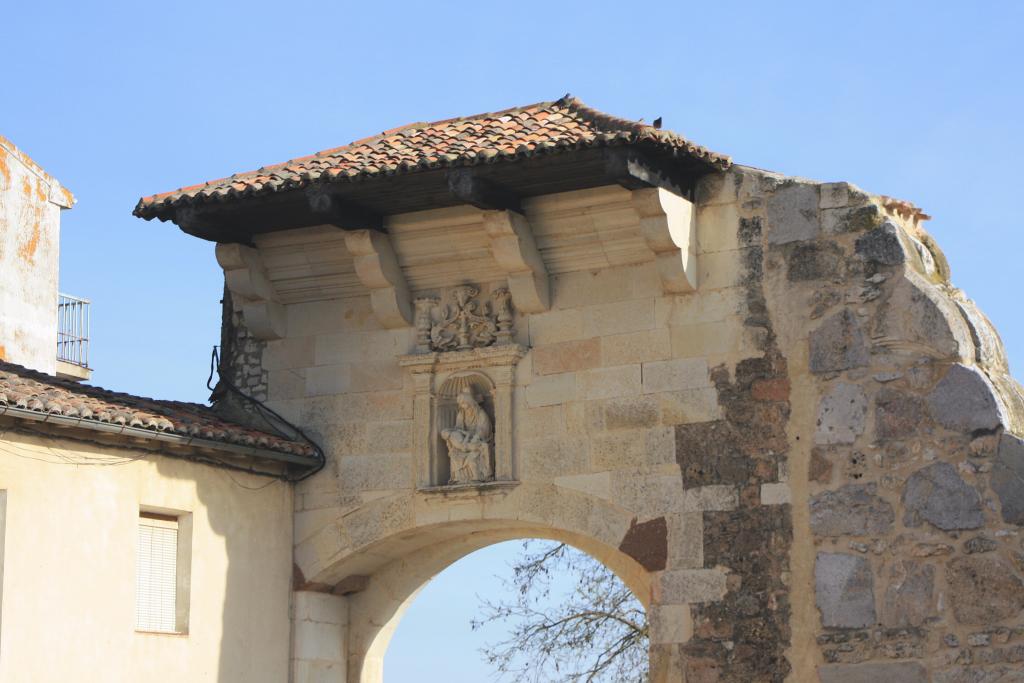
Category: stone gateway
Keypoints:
(758, 399)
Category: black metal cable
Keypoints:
(321, 458)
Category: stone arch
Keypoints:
(375, 613)
(384, 571)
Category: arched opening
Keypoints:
(416, 557)
(531, 610)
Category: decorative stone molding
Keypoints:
(438, 377)
(668, 227)
(515, 250)
(253, 292)
(377, 268)
(465, 322)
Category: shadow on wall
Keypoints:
(246, 520)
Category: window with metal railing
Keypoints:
(73, 330)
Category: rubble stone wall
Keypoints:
(905, 474)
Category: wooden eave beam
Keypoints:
(331, 208)
(634, 170)
(204, 224)
(467, 185)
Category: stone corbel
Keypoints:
(667, 225)
(515, 250)
(252, 290)
(377, 268)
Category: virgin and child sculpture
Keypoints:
(469, 442)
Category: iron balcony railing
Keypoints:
(73, 330)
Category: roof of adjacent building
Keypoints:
(545, 128)
(27, 390)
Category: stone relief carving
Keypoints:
(463, 372)
(469, 441)
(466, 322)
(462, 408)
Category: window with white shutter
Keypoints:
(161, 587)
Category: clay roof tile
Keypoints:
(38, 392)
(550, 127)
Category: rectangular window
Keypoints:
(162, 572)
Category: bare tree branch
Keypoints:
(570, 620)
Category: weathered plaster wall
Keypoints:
(30, 206)
(69, 567)
(803, 468)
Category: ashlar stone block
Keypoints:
(965, 401)
(551, 390)
(632, 412)
(375, 472)
(636, 347)
(711, 498)
(600, 383)
(793, 214)
(775, 494)
(670, 623)
(882, 245)
(675, 375)
(979, 674)
(841, 414)
(319, 641)
(838, 344)
(1008, 478)
(874, 672)
(632, 448)
(618, 318)
(555, 326)
(839, 195)
(936, 494)
(686, 540)
(691, 586)
(597, 484)
(910, 596)
(569, 356)
(844, 591)
(689, 406)
(546, 458)
(983, 589)
(853, 510)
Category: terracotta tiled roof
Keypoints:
(37, 392)
(536, 129)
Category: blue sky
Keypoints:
(916, 100)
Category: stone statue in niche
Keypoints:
(465, 322)
(469, 441)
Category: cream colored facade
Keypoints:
(71, 497)
(70, 532)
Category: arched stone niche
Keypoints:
(438, 378)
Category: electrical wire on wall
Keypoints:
(272, 418)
